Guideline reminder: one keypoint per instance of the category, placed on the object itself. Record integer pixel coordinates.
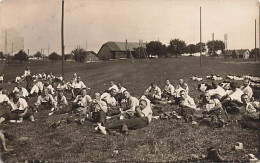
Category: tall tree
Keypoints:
(191, 48)
(1, 55)
(214, 46)
(78, 54)
(156, 48)
(203, 49)
(38, 54)
(177, 47)
(21, 56)
(54, 56)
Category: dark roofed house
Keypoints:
(90, 56)
(116, 50)
(242, 53)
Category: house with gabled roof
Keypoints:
(239, 53)
(117, 50)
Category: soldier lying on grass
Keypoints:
(16, 110)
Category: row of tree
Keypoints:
(178, 47)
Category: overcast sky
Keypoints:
(99, 21)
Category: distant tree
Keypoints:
(78, 54)
(203, 49)
(139, 52)
(214, 46)
(177, 47)
(156, 48)
(54, 56)
(38, 55)
(191, 49)
(21, 56)
(68, 56)
(255, 51)
(1, 55)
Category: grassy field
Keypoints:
(162, 141)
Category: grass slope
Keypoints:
(162, 140)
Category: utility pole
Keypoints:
(12, 49)
(48, 50)
(126, 48)
(86, 45)
(28, 52)
(255, 43)
(200, 37)
(62, 38)
(213, 48)
(6, 46)
(23, 43)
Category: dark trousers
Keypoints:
(132, 124)
(232, 106)
(99, 117)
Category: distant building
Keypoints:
(117, 50)
(91, 56)
(240, 53)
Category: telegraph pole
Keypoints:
(6, 46)
(12, 49)
(48, 50)
(200, 38)
(255, 43)
(86, 45)
(213, 41)
(62, 38)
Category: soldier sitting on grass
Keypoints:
(168, 91)
(213, 113)
(77, 86)
(16, 110)
(81, 104)
(61, 104)
(45, 100)
(128, 107)
(187, 106)
(109, 98)
(141, 119)
(98, 109)
(232, 101)
(250, 116)
(153, 93)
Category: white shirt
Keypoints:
(247, 90)
(27, 73)
(189, 102)
(114, 87)
(169, 89)
(62, 87)
(154, 91)
(61, 101)
(83, 101)
(218, 91)
(236, 95)
(147, 112)
(20, 105)
(108, 98)
(3, 98)
(98, 107)
(23, 92)
(131, 104)
(122, 89)
(39, 85)
(79, 84)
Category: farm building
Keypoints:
(116, 50)
(90, 56)
(241, 53)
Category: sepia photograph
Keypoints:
(129, 81)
